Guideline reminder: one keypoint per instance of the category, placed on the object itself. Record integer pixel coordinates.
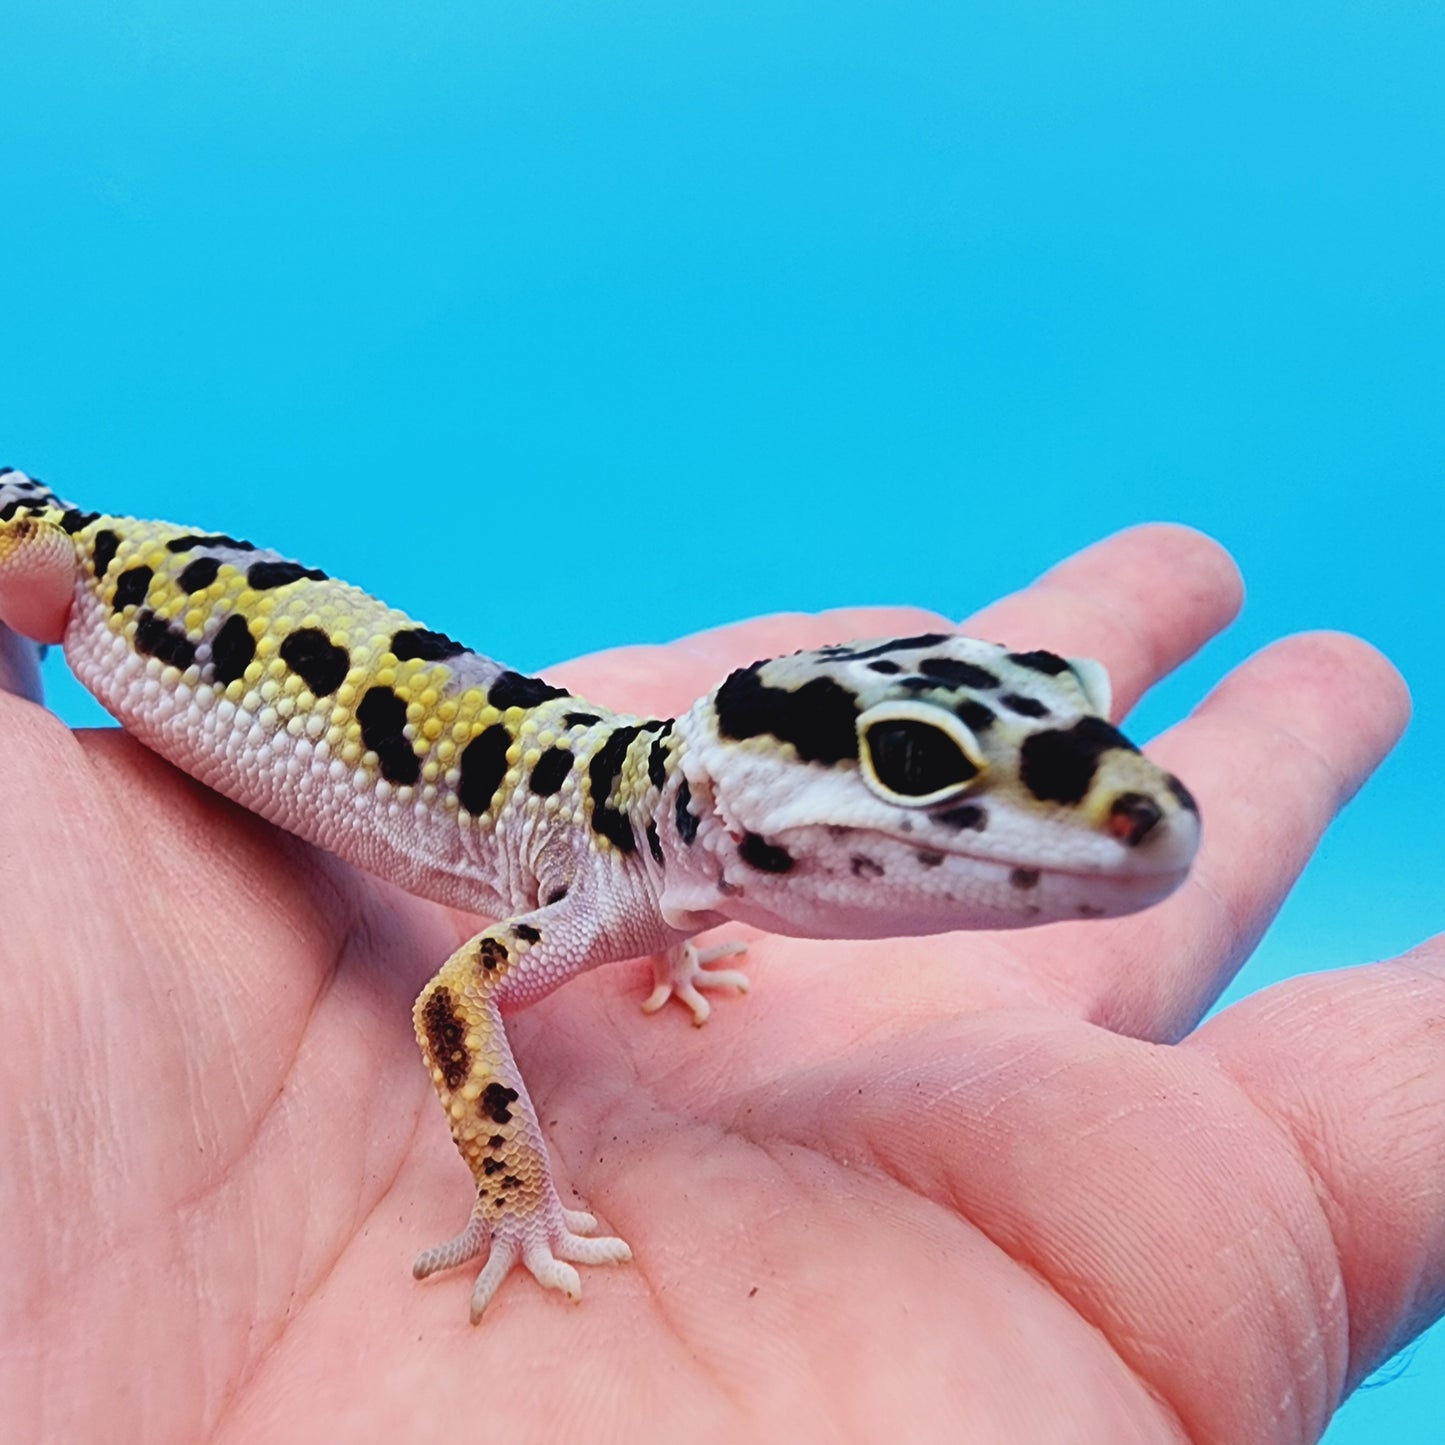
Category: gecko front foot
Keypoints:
(544, 1242)
(682, 971)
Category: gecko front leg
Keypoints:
(517, 1214)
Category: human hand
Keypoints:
(951, 1187)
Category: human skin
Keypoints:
(983, 1187)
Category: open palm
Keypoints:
(950, 1187)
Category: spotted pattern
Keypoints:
(131, 587)
(818, 719)
(232, 649)
(107, 543)
(382, 715)
(551, 771)
(198, 575)
(423, 643)
(263, 576)
(154, 637)
(602, 773)
(446, 1038)
(687, 820)
(484, 768)
(1058, 765)
(512, 689)
(318, 661)
(957, 673)
(189, 541)
(764, 856)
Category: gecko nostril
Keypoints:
(1133, 817)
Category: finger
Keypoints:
(1140, 602)
(1351, 1066)
(19, 666)
(1272, 755)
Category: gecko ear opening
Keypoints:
(1093, 680)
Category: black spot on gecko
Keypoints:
(491, 954)
(191, 540)
(1024, 878)
(766, 857)
(265, 575)
(928, 858)
(687, 820)
(894, 644)
(320, 664)
(492, 1166)
(446, 1037)
(1058, 766)
(422, 643)
(496, 1101)
(131, 587)
(818, 718)
(511, 689)
(154, 637)
(103, 552)
(1024, 706)
(580, 719)
(884, 666)
(551, 772)
(382, 715)
(232, 649)
(973, 714)
(496, 1141)
(1046, 662)
(198, 575)
(654, 843)
(527, 933)
(861, 866)
(74, 521)
(484, 767)
(1182, 795)
(957, 673)
(602, 775)
(555, 896)
(966, 815)
(657, 757)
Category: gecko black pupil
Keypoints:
(914, 759)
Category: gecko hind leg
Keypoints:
(681, 972)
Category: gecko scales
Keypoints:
(867, 790)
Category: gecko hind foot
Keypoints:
(544, 1245)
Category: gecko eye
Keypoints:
(917, 754)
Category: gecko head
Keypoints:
(919, 785)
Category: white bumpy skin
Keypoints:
(872, 789)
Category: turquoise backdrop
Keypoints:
(566, 325)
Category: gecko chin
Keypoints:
(880, 886)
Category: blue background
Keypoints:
(569, 325)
